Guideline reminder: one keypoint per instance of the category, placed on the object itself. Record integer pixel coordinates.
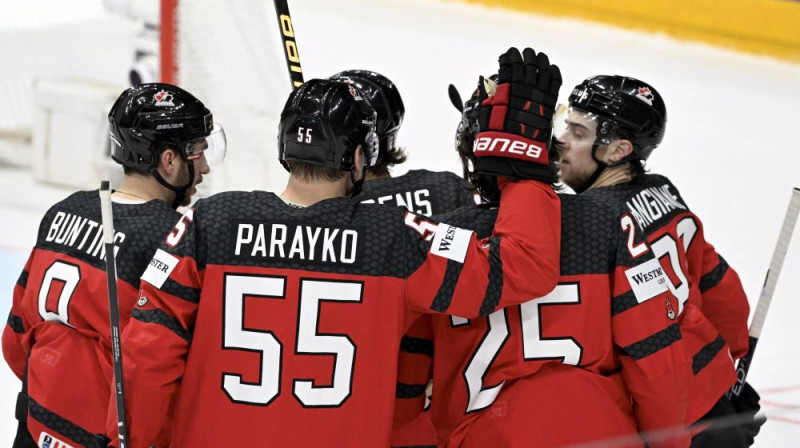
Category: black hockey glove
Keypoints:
(516, 122)
(748, 403)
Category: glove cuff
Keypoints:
(510, 169)
(510, 146)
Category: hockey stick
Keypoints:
(289, 44)
(765, 299)
(113, 308)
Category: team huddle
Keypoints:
(357, 309)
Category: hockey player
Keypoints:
(420, 191)
(277, 319)
(612, 125)
(57, 340)
(590, 361)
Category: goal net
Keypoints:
(227, 53)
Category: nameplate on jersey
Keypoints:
(647, 280)
(297, 243)
(654, 203)
(48, 441)
(416, 201)
(80, 234)
(161, 265)
(451, 242)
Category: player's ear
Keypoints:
(168, 162)
(618, 150)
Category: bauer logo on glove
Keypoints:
(491, 144)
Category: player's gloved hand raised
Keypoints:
(515, 120)
(748, 403)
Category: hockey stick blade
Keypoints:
(289, 44)
(455, 98)
(767, 290)
(113, 309)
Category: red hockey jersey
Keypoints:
(426, 193)
(263, 323)
(603, 339)
(712, 302)
(58, 335)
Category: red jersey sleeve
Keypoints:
(414, 370)
(467, 277)
(14, 351)
(655, 367)
(157, 338)
(724, 301)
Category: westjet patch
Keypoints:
(48, 441)
(647, 280)
(451, 242)
(161, 265)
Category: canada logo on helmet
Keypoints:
(355, 93)
(644, 94)
(163, 98)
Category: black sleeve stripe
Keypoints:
(23, 279)
(714, 276)
(623, 302)
(159, 317)
(416, 345)
(61, 425)
(170, 286)
(495, 286)
(15, 322)
(706, 354)
(653, 343)
(407, 391)
(445, 294)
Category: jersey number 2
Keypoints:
(270, 349)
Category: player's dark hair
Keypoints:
(387, 161)
(636, 164)
(310, 172)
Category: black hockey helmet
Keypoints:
(383, 96)
(323, 122)
(623, 104)
(148, 118)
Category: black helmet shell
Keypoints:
(626, 103)
(323, 122)
(383, 96)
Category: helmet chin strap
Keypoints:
(180, 192)
(600, 167)
(597, 171)
(358, 185)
